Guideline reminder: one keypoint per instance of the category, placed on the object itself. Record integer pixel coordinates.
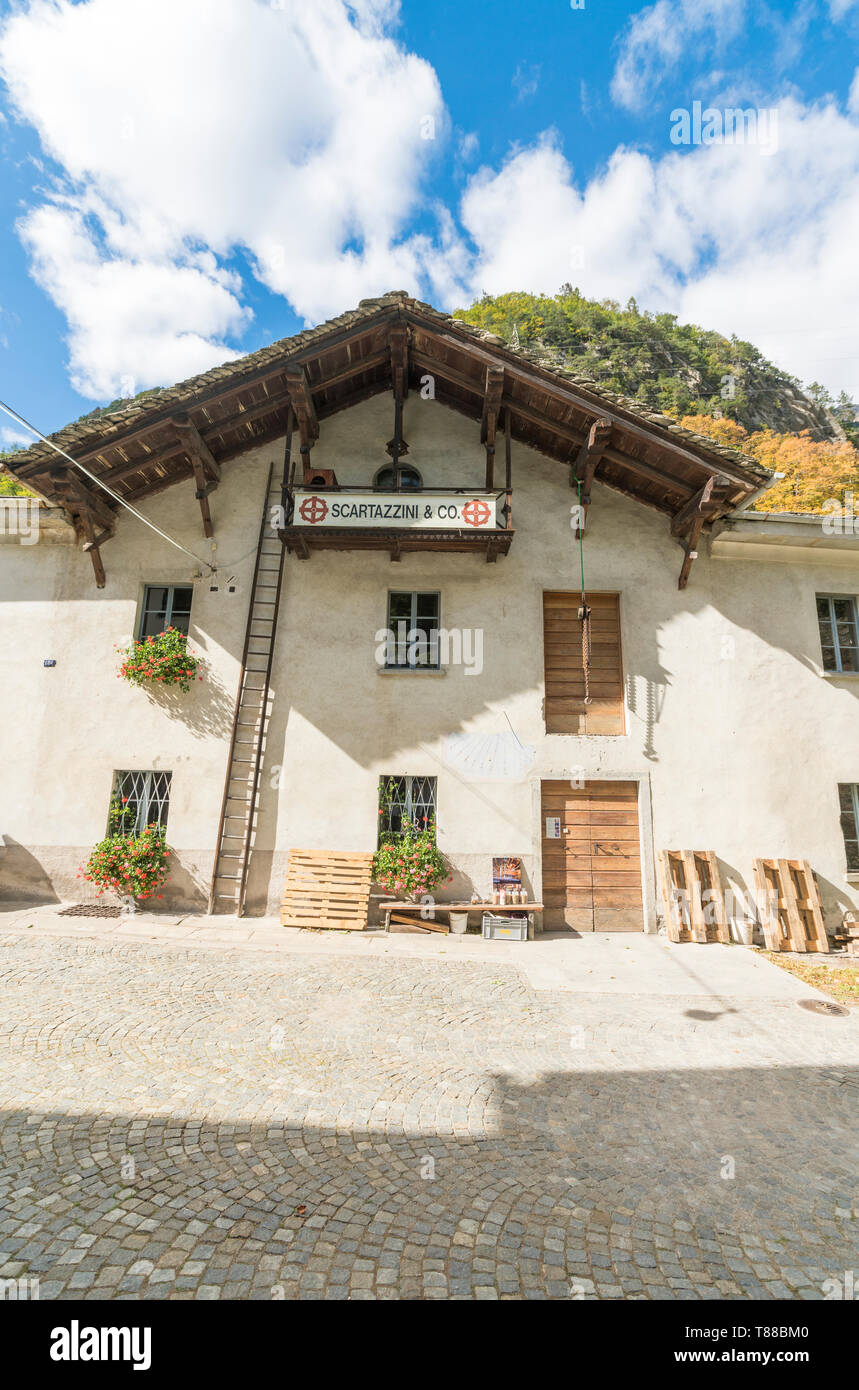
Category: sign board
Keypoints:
(506, 873)
(553, 827)
(416, 511)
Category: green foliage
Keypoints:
(678, 369)
(163, 660)
(9, 486)
(132, 865)
(410, 862)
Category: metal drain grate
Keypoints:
(822, 1006)
(91, 910)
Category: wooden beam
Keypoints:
(196, 444)
(398, 346)
(79, 497)
(202, 496)
(587, 463)
(207, 473)
(690, 519)
(708, 500)
(97, 540)
(543, 379)
(203, 465)
(558, 427)
(126, 469)
(301, 400)
(93, 548)
(493, 392)
(159, 422)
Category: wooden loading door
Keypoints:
(592, 874)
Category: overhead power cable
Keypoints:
(13, 414)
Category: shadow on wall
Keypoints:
(645, 697)
(206, 710)
(833, 900)
(186, 888)
(22, 877)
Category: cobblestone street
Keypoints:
(224, 1123)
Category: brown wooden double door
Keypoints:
(592, 873)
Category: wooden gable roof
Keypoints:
(187, 431)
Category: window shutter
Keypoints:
(566, 711)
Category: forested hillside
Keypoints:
(723, 387)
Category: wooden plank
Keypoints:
(692, 895)
(708, 872)
(818, 936)
(788, 895)
(698, 926)
(565, 710)
(324, 888)
(672, 880)
(767, 885)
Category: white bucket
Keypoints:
(458, 923)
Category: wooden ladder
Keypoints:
(250, 720)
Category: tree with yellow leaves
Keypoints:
(815, 471)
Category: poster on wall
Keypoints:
(506, 873)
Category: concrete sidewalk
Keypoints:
(602, 963)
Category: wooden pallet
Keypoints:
(325, 888)
(686, 874)
(789, 905)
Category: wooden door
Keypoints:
(592, 872)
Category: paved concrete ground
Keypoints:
(188, 1114)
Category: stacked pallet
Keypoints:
(692, 894)
(790, 909)
(326, 888)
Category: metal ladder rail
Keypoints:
(263, 731)
(240, 692)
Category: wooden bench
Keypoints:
(409, 913)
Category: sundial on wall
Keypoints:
(487, 757)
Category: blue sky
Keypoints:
(164, 206)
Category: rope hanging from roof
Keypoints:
(584, 610)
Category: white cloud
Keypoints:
(9, 436)
(132, 323)
(660, 37)
(526, 80)
(283, 130)
(300, 136)
(761, 246)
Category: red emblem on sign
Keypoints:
(476, 513)
(313, 509)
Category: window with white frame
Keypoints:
(848, 795)
(141, 799)
(413, 625)
(839, 632)
(165, 605)
(404, 801)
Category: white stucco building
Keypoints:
(722, 715)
